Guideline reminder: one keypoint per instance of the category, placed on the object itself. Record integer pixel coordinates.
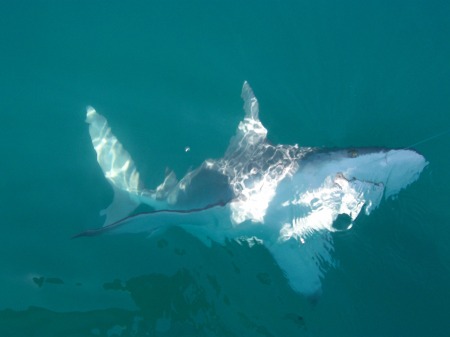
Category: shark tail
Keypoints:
(121, 172)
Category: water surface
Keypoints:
(168, 75)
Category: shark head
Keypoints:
(395, 169)
(286, 197)
(341, 183)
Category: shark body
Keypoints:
(285, 197)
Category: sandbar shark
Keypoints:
(286, 197)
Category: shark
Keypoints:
(288, 198)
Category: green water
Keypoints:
(168, 74)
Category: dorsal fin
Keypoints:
(251, 105)
(250, 131)
(167, 185)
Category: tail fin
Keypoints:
(119, 168)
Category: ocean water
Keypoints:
(168, 75)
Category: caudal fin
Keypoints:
(119, 169)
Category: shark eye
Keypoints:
(352, 153)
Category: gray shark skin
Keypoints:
(285, 197)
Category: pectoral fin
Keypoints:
(304, 264)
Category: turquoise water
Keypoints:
(168, 75)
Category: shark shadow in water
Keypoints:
(285, 197)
